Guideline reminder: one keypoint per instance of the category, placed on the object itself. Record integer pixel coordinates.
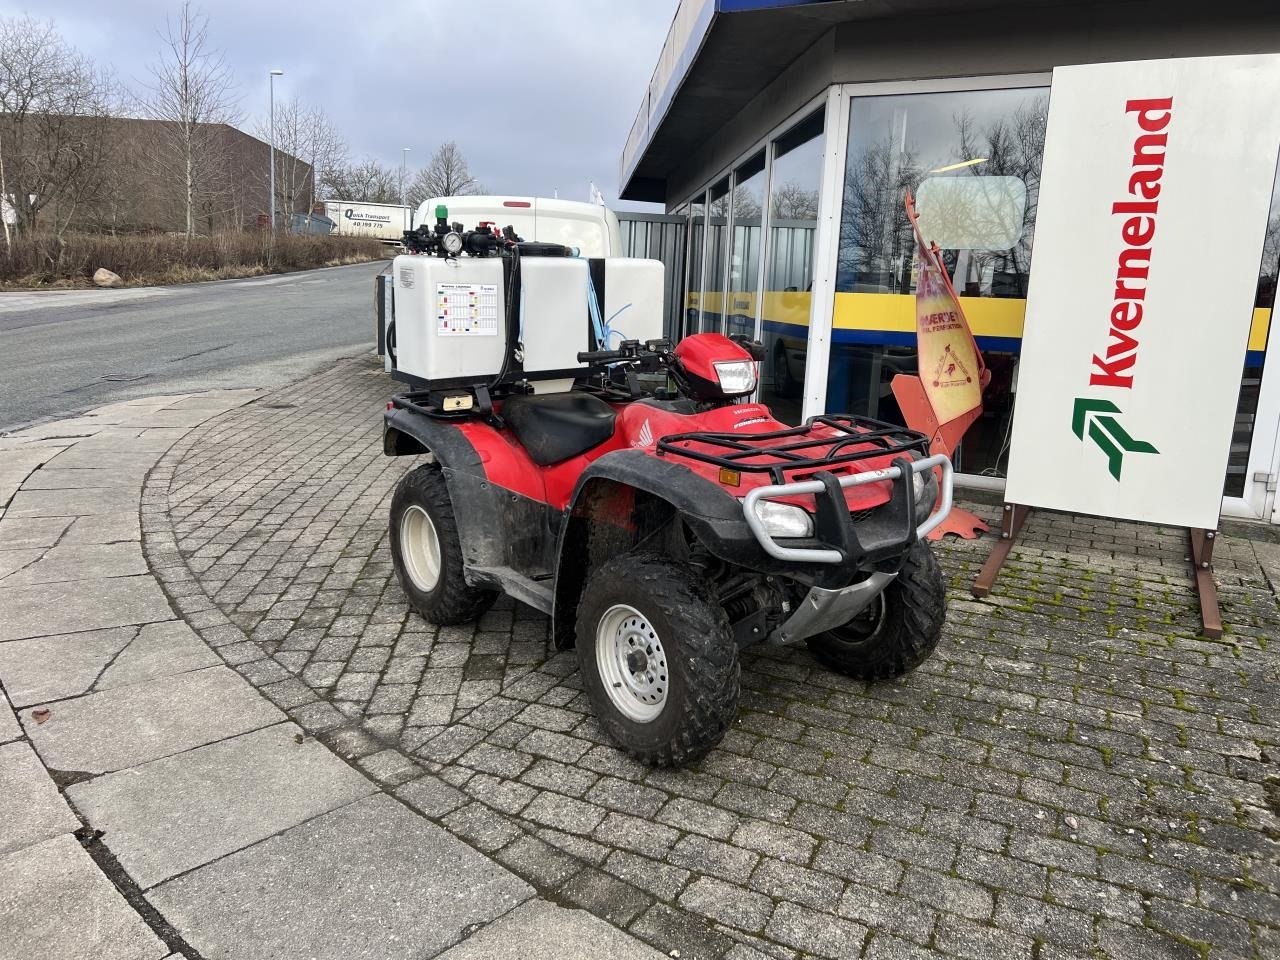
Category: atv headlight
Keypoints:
(924, 488)
(784, 519)
(736, 376)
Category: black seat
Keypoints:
(557, 426)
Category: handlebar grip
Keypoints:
(593, 356)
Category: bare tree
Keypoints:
(309, 151)
(192, 91)
(791, 201)
(446, 175)
(54, 105)
(1011, 146)
(365, 181)
(875, 235)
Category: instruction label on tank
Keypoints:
(466, 309)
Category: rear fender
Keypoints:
(497, 527)
(625, 499)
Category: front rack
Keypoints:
(744, 453)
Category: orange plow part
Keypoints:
(944, 438)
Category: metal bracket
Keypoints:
(1270, 479)
(1014, 516)
(1202, 542)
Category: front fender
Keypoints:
(624, 499)
(694, 496)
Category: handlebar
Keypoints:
(650, 350)
(600, 356)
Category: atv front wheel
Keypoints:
(427, 553)
(898, 631)
(658, 662)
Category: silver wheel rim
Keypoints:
(420, 548)
(632, 663)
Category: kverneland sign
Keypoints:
(1154, 197)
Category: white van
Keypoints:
(591, 228)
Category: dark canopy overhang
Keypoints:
(719, 54)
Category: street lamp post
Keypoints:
(404, 155)
(272, 83)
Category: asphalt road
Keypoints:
(66, 351)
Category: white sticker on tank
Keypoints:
(466, 309)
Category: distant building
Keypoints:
(142, 184)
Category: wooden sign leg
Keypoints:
(1202, 570)
(1015, 515)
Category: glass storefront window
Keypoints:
(713, 280)
(919, 142)
(747, 201)
(1259, 333)
(788, 281)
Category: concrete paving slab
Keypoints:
(31, 809)
(73, 503)
(371, 879)
(1269, 559)
(55, 904)
(106, 528)
(11, 561)
(171, 815)
(173, 417)
(78, 561)
(41, 669)
(539, 930)
(69, 479)
(9, 727)
(82, 457)
(74, 427)
(52, 668)
(126, 726)
(75, 606)
(16, 466)
(160, 650)
(20, 534)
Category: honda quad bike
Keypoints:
(631, 491)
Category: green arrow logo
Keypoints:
(1106, 432)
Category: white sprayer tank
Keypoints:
(450, 318)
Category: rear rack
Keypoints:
(873, 438)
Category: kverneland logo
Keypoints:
(1115, 367)
(1136, 233)
(1105, 430)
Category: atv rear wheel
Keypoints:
(658, 662)
(898, 631)
(427, 553)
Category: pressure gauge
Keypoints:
(452, 243)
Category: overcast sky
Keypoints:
(539, 94)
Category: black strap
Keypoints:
(596, 266)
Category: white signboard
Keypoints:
(1153, 205)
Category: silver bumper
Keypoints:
(819, 555)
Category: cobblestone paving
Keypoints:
(1073, 774)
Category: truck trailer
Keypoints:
(382, 221)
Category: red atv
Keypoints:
(664, 530)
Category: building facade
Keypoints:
(138, 179)
(786, 134)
